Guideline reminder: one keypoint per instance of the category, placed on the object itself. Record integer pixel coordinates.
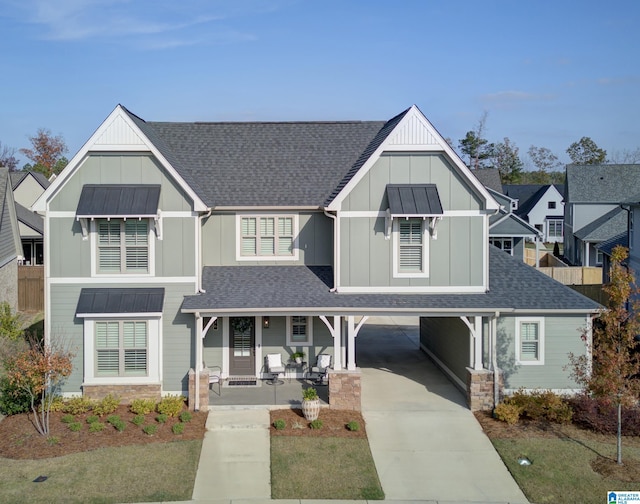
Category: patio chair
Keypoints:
(275, 368)
(215, 376)
(318, 373)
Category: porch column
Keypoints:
(335, 330)
(475, 341)
(198, 366)
(352, 332)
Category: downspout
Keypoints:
(336, 258)
(494, 359)
(201, 218)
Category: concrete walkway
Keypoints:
(427, 446)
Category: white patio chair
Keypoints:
(318, 373)
(215, 376)
(275, 368)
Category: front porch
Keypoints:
(285, 395)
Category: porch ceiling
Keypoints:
(263, 290)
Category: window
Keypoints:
(267, 237)
(530, 341)
(599, 257)
(121, 348)
(123, 246)
(555, 228)
(551, 205)
(410, 247)
(299, 330)
(505, 244)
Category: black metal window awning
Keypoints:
(120, 301)
(414, 200)
(116, 200)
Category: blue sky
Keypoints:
(547, 72)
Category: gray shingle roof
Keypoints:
(31, 219)
(10, 246)
(489, 177)
(602, 183)
(266, 163)
(610, 224)
(510, 226)
(514, 286)
(607, 246)
(118, 200)
(120, 300)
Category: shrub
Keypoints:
(78, 405)
(113, 419)
(10, 326)
(142, 406)
(13, 400)
(316, 424)
(91, 419)
(171, 405)
(353, 426)
(53, 440)
(602, 417)
(118, 425)
(106, 405)
(75, 426)
(138, 420)
(68, 419)
(309, 394)
(186, 417)
(96, 427)
(162, 418)
(507, 412)
(280, 424)
(57, 404)
(178, 428)
(541, 405)
(150, 429)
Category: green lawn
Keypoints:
(323, 468)
(144, 473)
(561, 469)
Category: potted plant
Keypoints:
(297, 357)
(310, 404)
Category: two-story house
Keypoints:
(540, 205)
(10, 246)
(27, 187)
(172, 245)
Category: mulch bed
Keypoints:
(20, 440)
(334, 423)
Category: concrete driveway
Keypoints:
(426, 444)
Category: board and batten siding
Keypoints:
(121, 169)
(315, 240)
(447, 338)
(177, 333)
(561, 336)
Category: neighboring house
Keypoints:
(542, 206)
(10, 246)
(593, 194)
(170, 245)
(606, 248)
(27, 188)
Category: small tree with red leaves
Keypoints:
(39, 371)
(613, 372)
(47, 153)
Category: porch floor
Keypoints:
(284, 395)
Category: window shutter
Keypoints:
(529, 341)
(248, 244)
(267, 236)
(135, 347)
(136, 239)
(107, 336)
(410, 245)
(109, 246)
(285, 236)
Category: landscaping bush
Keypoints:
(541, 405)
(316, 424)
(353, 426)
(91, 419)
(68, 419)
(602, 417)
(119, 425)
(507, 412)
(12, 399)
(162, 418)
(178, 428)
(279, 424)
(57, 404)
(186, 416)
(171, 405)
(75, 426)
(10, 325)
(142, 406)
(106, 405)
(138, 420)
(78, 405)
(150, 430)
(96, 427)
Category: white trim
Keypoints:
(396, 251)
(449, 289)
(91, 145)
(540, 322)
(154, 365)
(309, 341)
(142, 315)
(275, 258)
(120, 279)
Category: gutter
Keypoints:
(201, 218)
(494, 359)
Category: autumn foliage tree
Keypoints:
(39, 371)
(46, 153)
(613, 372)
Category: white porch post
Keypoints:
(351, 343)
(198, 366)
(475, 341)
(335, 330)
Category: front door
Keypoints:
(242, 340)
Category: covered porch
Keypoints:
(287, 394)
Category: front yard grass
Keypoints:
(562, 468)
(139, 473)
(323, 468)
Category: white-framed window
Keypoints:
(122, 247)
(530, 340)
(599, 257)
(555, 228)
(299, 330)
(505, 244)
(551, 205)
(119, 349)
(410, 248)
(267, 237)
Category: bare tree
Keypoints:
(8, 158)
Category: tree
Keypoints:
(625, 157)
(543, 159)
(47, 153)
(39, 371)
(613, 372)
(477, 149)
(586, 152)
(506, 160)
(8, 158)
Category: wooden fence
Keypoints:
(574, 275)
(30, 288)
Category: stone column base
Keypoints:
(345, 390)
(480, 389)
(204, 390)
(126, 393)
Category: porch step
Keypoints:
(238, 419)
